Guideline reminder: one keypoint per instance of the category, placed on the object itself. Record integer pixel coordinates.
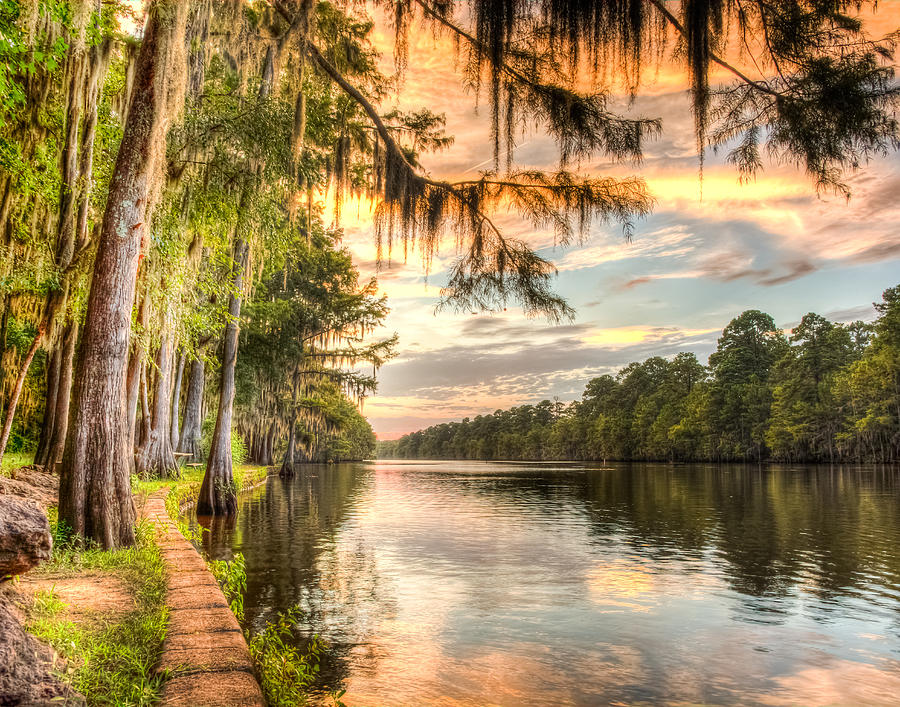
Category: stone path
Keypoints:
(205, 652)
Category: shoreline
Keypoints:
(204, 646)
(200, 642)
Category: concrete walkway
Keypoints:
(204, 652)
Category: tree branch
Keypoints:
(384, 133)
(672, 20)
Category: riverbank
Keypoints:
(120, 625)
(183, 492)
(204, 648)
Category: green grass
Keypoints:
(14, 460)
(110, 662)
(285, 672)
(232, 578)
(187, 487)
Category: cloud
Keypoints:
(664, 242)
(711, 248)
(638, 281)
(853, 314)
(507, 328)
(470, 379)
(877, 252)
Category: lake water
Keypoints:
(466, 583)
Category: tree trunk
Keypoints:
(270, 446)
(95, 486)
(192, 428)
(287, 465)
(265, 451)
(83, 83)
(17, 388)
(4, 323)
(174, 435)
(217, 494)
(42, 456)
(156, 457)
(133, 376)
(145, 408)
(263, 447)
(61, 427)
(252, 448)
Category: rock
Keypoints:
(26, 677)
(24, 536)
(31, 482)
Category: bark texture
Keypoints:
(191, 429)
(174, 435)
(95, 487)
(42, 456)
(84, 72)
(156, 457)
(63, 397)
(133, 376)
(217, 493)
(287, 465)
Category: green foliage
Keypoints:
(13, 461)
(302, 347)
(829, 393)
(353, 440)
(22, 55)
(239, 453)
(110, 662)
(41, 41)
(232, 577)
(262, 139)
(26, 426)
(285, 671)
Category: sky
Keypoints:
(708, 252)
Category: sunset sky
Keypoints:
(694, 264)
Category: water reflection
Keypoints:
(472, 583)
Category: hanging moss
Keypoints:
(536, 56)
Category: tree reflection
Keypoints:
(351, 544)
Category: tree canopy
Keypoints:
(162, 203)
(827, 393)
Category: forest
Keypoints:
(172, 279)
(236, 254)
(827, 392)
(179, 296)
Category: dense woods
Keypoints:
(826, 392)
(170, 247)
(171, 275)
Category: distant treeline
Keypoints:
(829, 392)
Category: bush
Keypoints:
(239, 452)
(232, 577)
(285, 672)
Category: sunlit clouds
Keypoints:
(712, 248)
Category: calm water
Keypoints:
(461, 583)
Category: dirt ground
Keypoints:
(32, 482)
(88, 597)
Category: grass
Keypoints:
(185, 489)
(110, 659)
(14, 460)
(232, 578)
(110, 662)
(285, 672)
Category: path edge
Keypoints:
(205, 655)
